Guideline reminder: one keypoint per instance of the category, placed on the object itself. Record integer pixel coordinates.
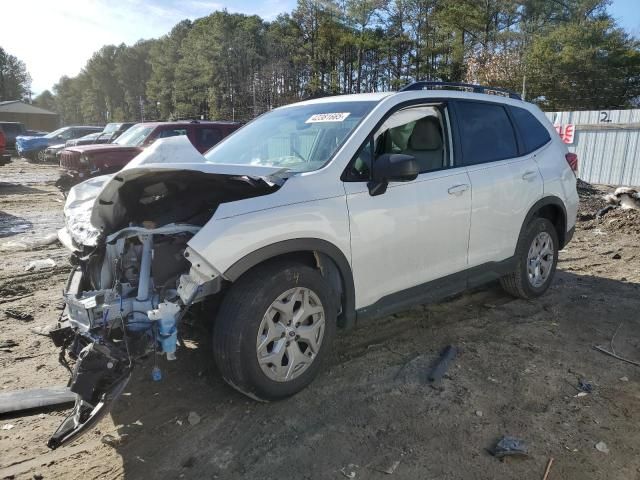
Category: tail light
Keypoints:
(572, 160)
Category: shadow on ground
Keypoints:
(517, 373)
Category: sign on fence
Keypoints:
(566, 132)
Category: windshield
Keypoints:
(299, 138)
(55, 133)
(134, 136)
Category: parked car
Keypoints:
(5, 157)
(109, 134)
(11, 131)
(33, 148)
(79, 163)
(114, 130)
(309, 218)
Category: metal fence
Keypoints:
(607, 143)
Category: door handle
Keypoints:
(530, 175)
(458, 189)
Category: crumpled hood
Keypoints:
(92, 206)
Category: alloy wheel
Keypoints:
(540, 259)
(290, 334)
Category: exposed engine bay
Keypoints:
(134, 279)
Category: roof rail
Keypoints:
(464, 87)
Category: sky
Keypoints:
(56, 38)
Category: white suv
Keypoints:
(311, 217)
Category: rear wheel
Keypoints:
(41, 156)
(274, 330)
(537, 257)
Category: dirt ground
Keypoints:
(517, 373)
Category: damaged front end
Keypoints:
(130, 288)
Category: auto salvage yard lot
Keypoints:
(371, 413)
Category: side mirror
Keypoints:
(392, 167)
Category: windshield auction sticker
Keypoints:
(327, 117)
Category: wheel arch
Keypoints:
(552, 208)
(321, 254)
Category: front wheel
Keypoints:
(537, 258)
(274, 330)
(41, 156)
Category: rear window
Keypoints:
(486, 133)
(532, 132)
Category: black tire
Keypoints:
(238, 320)
(41, 156)
(517, 283)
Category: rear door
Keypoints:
(505, 179)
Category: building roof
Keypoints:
(18, 106)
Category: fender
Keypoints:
(303, 245)
(563, 235)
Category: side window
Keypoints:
(207, 137)
(67, 135)
(486, 133)
(172, 132)
(534, 135)
(416, 131)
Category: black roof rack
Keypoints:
(463, 87)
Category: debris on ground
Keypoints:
(18, 314)
(44, 330)
(113, 440)
(27, 399)
(8, 343)
(604, 211)
(509, 447)
(386, 466)
(548, 469)
(36, 265)
(585, 386)
(439, 370)
(479, 413)
(625, 197)
(28, 243)
(193, 418)
(624, 379)
(602, 447)
(349, 471)
(7, 426)
(615, 355)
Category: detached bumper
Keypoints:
(101, 374)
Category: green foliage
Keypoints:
(15, 82)
(562, 53)
(45, 100)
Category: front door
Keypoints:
(416, 231)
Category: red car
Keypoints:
(82, 162)
(4, 156)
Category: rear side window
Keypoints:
(486, 133)
(10, 129)
(208, 137)
(172, 132)
(532, 132)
